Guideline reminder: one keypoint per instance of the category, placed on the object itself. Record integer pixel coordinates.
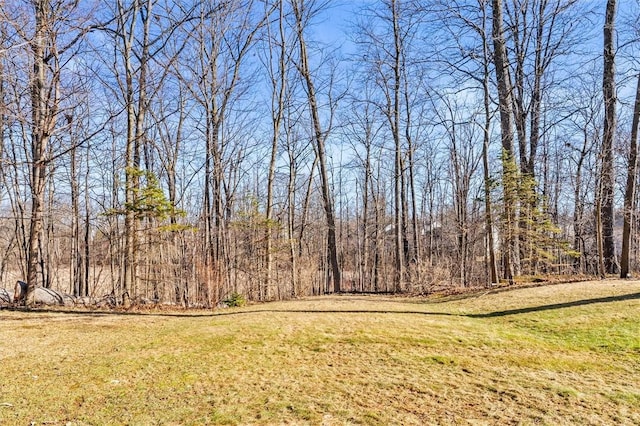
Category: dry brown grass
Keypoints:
(562, 354)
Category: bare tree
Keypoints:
(302, 10)
(540, 32)
(460, 18)
(605, 213)
(46, 51)
(48, 34)
(363, 128)
(582, 163)
(135, 91)
(505, 90)
(220, 39)
(463, 163)
(277, 72)
(630, 188)
(45, 106)
(387, 54)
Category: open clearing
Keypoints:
(561, 354)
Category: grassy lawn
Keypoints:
(562, 354)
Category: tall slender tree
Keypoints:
(460, 18)
(630, 188)
(509, 166)
(44, 90)
(277, 71)
(606, 213)
(301, 12)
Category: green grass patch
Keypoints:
(561, 354)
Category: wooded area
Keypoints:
(181, 152)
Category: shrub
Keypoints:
(235, 300)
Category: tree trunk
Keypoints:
(607, 177)
(578, 208)
(43, 113)
(630, 189)
(508, 159)
(398, 191)
(492, 266)
(291, 202)
(127, 35)
(278, 86)
(319, 137)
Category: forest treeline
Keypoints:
(185, 151)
